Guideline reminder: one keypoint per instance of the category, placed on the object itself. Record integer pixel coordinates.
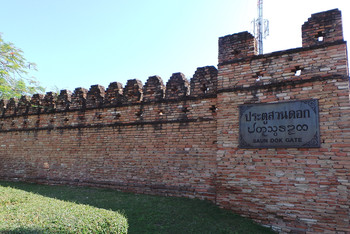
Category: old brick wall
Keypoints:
(294, 189)
(182, 138)
(151, 139)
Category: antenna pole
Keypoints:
(260, 28)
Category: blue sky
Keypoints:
(79, 43)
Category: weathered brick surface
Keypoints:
(156, 146)
(95, 96)
(154, 89)
(236, 46)
(114, 94)
(295, 189)
(182, 139)
(23, 105)
(204, 81)
(322, 27)
(177, 87)
(64, 100)
(133, 91)
(78, 99)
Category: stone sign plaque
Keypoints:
(293, 124)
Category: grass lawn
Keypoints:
(81, 209)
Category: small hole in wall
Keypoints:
(258, 76)
(319, 36)
(236, 52)
(213, 109)
(185, 110)
(139, 114)
(160, 112)
(98, 115)
(297, 70)
(204, 88)
(117, 116)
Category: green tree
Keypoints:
(14, 70)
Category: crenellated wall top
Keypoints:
(203, 84)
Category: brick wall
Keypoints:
(294, 189)
(181, 139)
(152, 139)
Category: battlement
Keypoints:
(203, 83)
(235, 46)
(323, 27)
(320, 29)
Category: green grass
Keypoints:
(83, 209)
(26, 212)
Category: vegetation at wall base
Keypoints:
(32, 208)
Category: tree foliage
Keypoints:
(14, 70)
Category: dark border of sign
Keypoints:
(315, 142)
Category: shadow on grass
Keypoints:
(151, 214)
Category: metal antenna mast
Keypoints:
(260, 27)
